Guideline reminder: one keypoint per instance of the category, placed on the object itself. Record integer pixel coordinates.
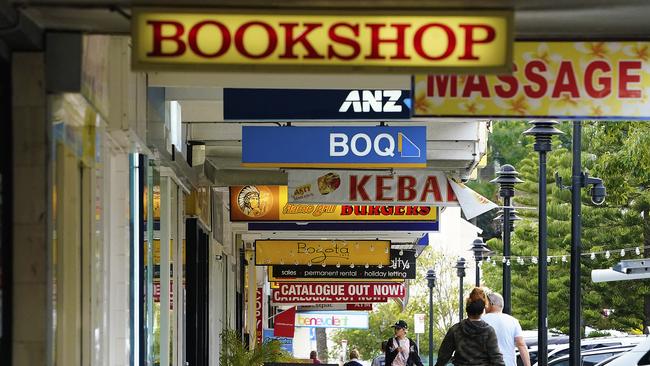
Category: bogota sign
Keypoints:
(570, 80)
(301, 41)
(322, 252)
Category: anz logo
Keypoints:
(372, 100)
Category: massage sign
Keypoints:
(396, 41)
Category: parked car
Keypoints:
(637, 356)
(593, 357)
(561, 349)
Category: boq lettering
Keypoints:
(361, 144)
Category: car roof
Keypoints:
(620, 349)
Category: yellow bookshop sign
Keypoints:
(595, 80)
(477, 41)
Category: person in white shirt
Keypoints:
(508, 331)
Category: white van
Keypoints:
(637, 356)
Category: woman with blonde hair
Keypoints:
(354, 359)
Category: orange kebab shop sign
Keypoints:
(477, 42)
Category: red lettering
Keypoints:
(359, 187)
(625, 78)
(360, 210)
(374, 210)
(241, 46)
(290, 41)
(431, 186)
(412, 210)
(441, 82)
(511, 81)
(387, 210)
(451, 196)
(566, 81)
(399, 210)
(490, 35)
(346, 210)
(406, 188)
(194, 35)
(337, 38)
(380, 187)
(451, 41)
(424, 210)
(158, 38)
(480, 85)
(536, 78)
(604, 82)
(399, 41)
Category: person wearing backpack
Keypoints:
(400, 349)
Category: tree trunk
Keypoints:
(321, 344)
(646, 252)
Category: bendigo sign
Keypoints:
(336, 292)
(302, 41)
(604, 80)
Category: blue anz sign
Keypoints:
(334, 147)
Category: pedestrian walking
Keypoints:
(313, 356)
(354, 359)
(471, 342)
(508, 331)
(381, 359)
(400, 349)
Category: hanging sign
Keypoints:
(372, 187)
(259, 314)
(334, 146)
(404, 41)
(339, 319)
(285, 323)
(336, 292)
(331, 307)
(567, 80)
(322, 252)
(401, 267)
(315, 104)
(269, 203)
(286, 343)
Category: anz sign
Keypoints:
(373, 100)
(316, 104)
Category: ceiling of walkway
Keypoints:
(539, 19)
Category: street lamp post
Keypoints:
(431, 282)
(460, 271)
(598, 192)
(480, 250)
(506, 179)
(543, 130)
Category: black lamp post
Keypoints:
(543, 130)
(598, 193)
(431, 282)
(480, 250)
(460, 271)
(506, 179)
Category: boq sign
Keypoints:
(406, 42)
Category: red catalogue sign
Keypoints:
(336, 292)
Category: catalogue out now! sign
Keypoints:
(269, 203)
(336, 292)
(397, 41)
(551, 79)
(401, 187)
(334, 146)
(358, 320)
(322, 252)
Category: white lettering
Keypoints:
(389, 150)
(338, 140)
(351, 100)
(372, 101)
(393, 96)
(353, 144)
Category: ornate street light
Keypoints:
(431, 283)
(506, 179)
(480, 251)
(460, 271)
(543, 130)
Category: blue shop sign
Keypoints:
(334, 147)
(286, 343)
(315, 104)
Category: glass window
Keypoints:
(591, 360)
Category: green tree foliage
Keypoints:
(445, 300)
(234, 353)
(612, 226)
